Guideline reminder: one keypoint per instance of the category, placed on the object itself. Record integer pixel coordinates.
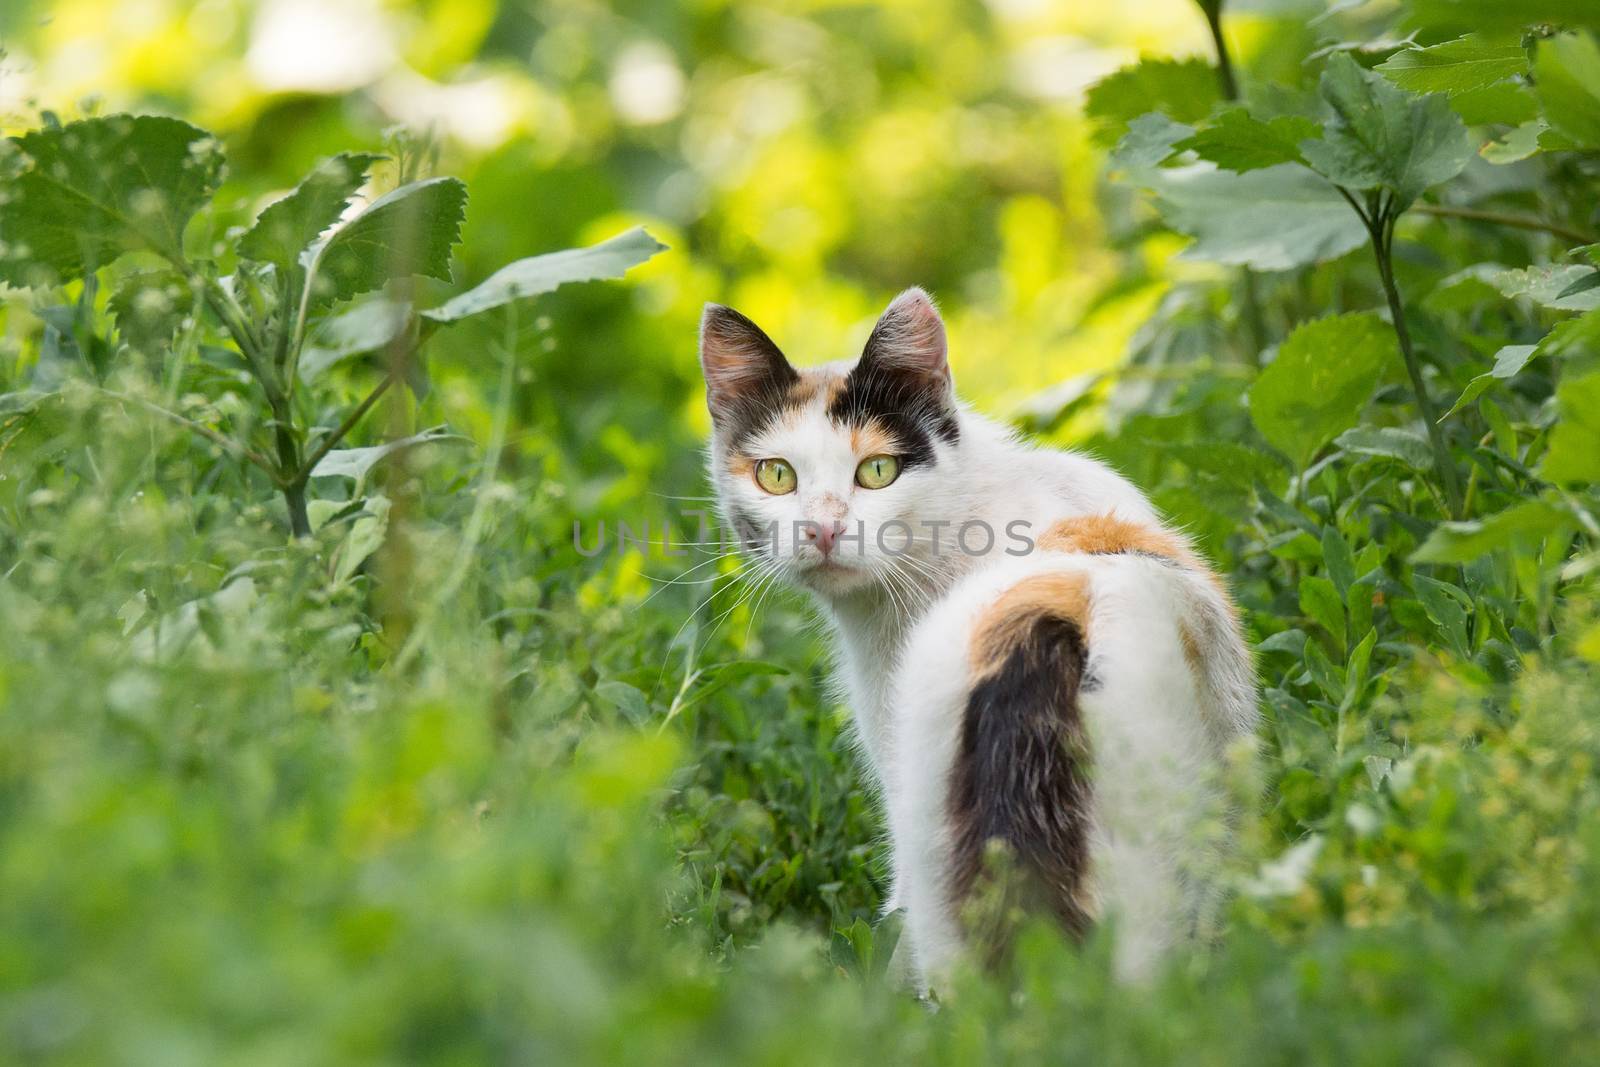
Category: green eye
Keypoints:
(876, 472)
(775, 476)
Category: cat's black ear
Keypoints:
(741, 364)
(909, 342)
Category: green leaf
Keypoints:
(1355, 671)
(92, 190)
(1150, 140)
(287, 227)
(1272, 219)
(1508, 362)
(1582, 285)
(628, 699)
(1320, 381)
(408, 232)
(1380, 136)
(1547, 285)
(1339, 560)
(1320, 602)
(1519, 144)
(1238, 142)
(1443, 603)
(1574, 454)
(1572, 338)
(149, 306)
(1292, 641)
(1567, 69)
(364, 330)
(1524, 526)
(1457, 66)
(1184, 90)
(1391, 442)
(540, 274)
(356, 463)
(1506, 17)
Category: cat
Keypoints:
(1036, 664)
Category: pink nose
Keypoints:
(825, 535)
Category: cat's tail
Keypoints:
(1055, 751)
(1020, 777)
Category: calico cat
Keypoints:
(1036, 665)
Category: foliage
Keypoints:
(78, 197)
(435, 782)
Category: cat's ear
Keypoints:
(909, 340)
(741, 364)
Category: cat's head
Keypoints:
(830, 472)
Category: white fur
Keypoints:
(902, 631)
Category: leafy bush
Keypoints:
(430, 783)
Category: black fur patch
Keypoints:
(1021, 774)
(913, 407)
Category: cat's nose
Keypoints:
(825, 535)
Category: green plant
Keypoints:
(79, 198)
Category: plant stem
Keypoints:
(227, 444)
(1230, 84)
(1501, 218)
(1380, 226)
(327, 443)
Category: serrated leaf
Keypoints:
(1457, 66)
(1320, 381)
(1271, 219)
(1151, 139)
(1380, 136)
(1525, 524)
(356, 463)
(407, 232)
(541, 274)
(1235, 141)
(287, 227)
(148, 307)
(1547, 285)
(1184, 90)
(1390, 442)
(1567, 67)
(94, 189)
(1574, 454)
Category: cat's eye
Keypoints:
(775, 476)
(876, 472)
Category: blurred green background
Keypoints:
(597, 817)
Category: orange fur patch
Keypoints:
(815, 383)
(1192, 652)
(1109, 535)
(741, 465)
(1102, 535)
(1005, 623)
(872, 440)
